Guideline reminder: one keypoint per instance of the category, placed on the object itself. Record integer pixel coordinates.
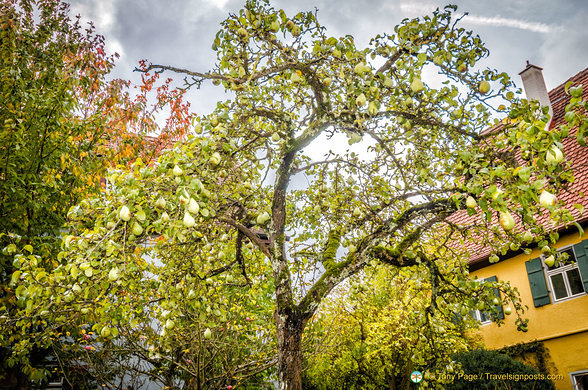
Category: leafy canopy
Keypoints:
(246, 175)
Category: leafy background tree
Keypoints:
(62, 124)
(235, 187)
(374, 333)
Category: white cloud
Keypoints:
(220, 4)
(417, 9)
(498, 21)
(506, 22)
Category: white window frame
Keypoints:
(478, 314)
(573, 376)
(562, 270)
(478, 317)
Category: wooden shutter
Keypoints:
(537, 282)
(581, 252)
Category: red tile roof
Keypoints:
(573, 194)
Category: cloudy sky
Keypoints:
(549, 33)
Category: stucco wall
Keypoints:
(562, 326)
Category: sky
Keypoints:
(551, 34)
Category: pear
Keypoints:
(506, 221)
(356, 212)
(372, 109)
(188, 220)
(471, 202)
(484, 87)
(359, 68)
(547, 199)
(408, 102)
(275, 26)
(493, 259)
(507, 310)
(124, 213)
(114, 274)
(242, 33)
(164, 217)
(215, 158)
(263, 218)
(193, 206)
(207, 333)
(550, 261)
(360, 100)
(295, 77)
(170, 324)
(276, 137)
(554, 155)
(160, 203)
(137, 229)
(177, 171)
(417, 85)
(528, 236)
(105, 332)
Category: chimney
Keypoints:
(534, 86)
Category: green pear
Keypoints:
(160, 203)
(193, 206)
(417, 85)
(137, 229)
(484, 87)
(506, 221)
(547, 199)
(471, 202)
(188, 220)
(360, 100)
(124, 213)
(554, 155)
(114, 274)
(177, 171)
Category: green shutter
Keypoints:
(537, 282)
(581, 252)
(497, 294)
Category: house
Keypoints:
(556, 296)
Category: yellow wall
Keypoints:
(563, 326)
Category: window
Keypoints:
(564, 278)
(579, 380)
(549, 284)
(482, 317)
(485, 317)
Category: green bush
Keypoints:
(486, 363)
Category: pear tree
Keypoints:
(402, 153)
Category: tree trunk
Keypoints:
(289, 328)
